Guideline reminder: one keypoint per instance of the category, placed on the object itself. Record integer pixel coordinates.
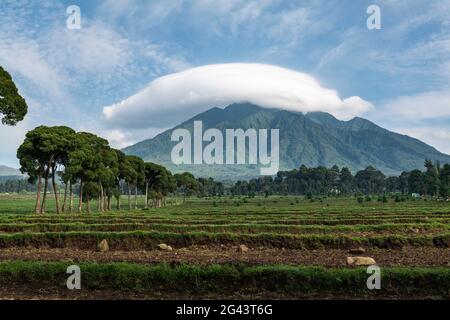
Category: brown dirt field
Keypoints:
(27, 292)
(203, 255)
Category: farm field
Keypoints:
(282, 247)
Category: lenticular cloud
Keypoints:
(176, 97)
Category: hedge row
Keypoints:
(230, 220)
(248, 227)
(231, 278)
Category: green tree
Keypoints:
(431, 178)
(444, 188)
(123, 167)
(187, 183)
(135, 177)
(159, 182)
(12, 106)
(86, 164)
(44, 149)
(416, 182)
(370, 180)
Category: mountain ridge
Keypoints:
(8, 171)
(313, 139)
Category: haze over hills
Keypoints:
(8, 171)
(313, 139)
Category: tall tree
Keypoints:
(136, 179)
(159, 182)
(123, 167)
(43, 150)
(187, 183)
(431, 178)
(86, 164)
(12, 106)
(444, 188)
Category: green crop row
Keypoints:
(223, 279)
(247, 227)
(232, 220)
(267, 215)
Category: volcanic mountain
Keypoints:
(312, 139)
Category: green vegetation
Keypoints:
(262, 223)
(320, 181)
(12, 106)
(230, 278)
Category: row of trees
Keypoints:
(50, 154)
(434, 181)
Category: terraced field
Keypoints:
(276, 247)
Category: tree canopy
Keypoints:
(12, 106)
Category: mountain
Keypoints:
(313, 139)
(7, 171)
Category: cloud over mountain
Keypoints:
(175, 97)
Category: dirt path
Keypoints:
(408, 256)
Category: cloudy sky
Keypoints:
(114, 75)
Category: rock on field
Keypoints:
(360, 261)
(243, 248)
(165, 247)
(103, 246)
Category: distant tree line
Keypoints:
(16, 185)
(434, 181)
(85, 161)
(68, 164)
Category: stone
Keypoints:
(243, 248)
(361, 261)
(165, 247)
(103, 246)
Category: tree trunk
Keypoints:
(44, 197)
(109, 203)
(129, 197)
(38, 193)
(106, 201)
(88, 203)
(102, 199)
(71, 198)
(99, 200)
(80, 198)
(54, 189)
(135, 197)
(146, 195)
(65, 197)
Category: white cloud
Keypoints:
(175, 97)
(428, 105)
(435, 136)
(15, 136)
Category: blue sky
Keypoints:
(68, 76)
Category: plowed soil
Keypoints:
(203, 255)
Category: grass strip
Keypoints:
(230, 278)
